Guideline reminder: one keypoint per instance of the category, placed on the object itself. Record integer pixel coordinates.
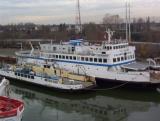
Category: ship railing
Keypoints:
(27, 53)
(116, 41)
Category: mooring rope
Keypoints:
(112, 88)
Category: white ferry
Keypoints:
(112, 62)
(10, 109)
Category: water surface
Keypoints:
(114, 105)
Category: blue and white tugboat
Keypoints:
(112, 62)
(48, 76)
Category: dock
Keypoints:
(8, 59)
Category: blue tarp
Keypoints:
(76, 42)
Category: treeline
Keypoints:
(142, 30)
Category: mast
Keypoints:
(78, 17)
(126, 6)
(129, 22)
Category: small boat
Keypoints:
(10, 109)
(48, 76)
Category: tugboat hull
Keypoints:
(89, 88)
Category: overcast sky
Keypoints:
(58, 11)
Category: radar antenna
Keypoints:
(110, 34)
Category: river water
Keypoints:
(114, 105)
(42, 104)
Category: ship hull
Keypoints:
(89, 88)
(115, 84)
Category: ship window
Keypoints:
(95, 59)
(82, 58)
(107, 47)
(66, 57)
(73, 49)
(55, 72)
(52, 60)
(78, 58)
(53, 56)
(122, 58)
(110, 47)
(63, 57)
(100, 60)
(71, 57)
(104, 60)
(50, 56)
(56, 56)
(104, 53)
(18, 74)
(32, 77)
(118, 59)
(60, 56)
(25, 76)
(114, 59)
(54, 48)
(86, 59)
(46, 66)
(74, 57)
(114, 47)
(91, 59)
(130, 57)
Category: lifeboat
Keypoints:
(10, 109)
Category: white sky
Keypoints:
(60, 11)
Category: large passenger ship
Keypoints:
(112, 62)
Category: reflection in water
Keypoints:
(51, 106)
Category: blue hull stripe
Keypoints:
(84, 63)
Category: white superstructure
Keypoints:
(112, 60)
